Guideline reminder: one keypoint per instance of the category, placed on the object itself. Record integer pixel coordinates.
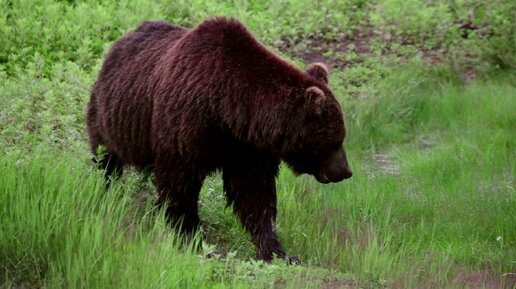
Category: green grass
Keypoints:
(431, 203)
(61, 228)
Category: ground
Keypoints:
(428, 91)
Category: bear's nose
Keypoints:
(340, 175)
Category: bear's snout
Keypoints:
(335, 168)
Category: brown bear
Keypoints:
(187, 102)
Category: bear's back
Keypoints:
(122, 93)
(150, 34)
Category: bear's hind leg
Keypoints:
(113, 166)
(108, 161)
(251, 188)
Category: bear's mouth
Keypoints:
(322, 178)
(326, 178)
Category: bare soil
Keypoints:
(334, 52)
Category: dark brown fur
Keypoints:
(188, 102)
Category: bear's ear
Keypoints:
(315, 98)
(318, 71)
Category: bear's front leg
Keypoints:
(251, 188)
(179, 193)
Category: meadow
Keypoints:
(429, 94)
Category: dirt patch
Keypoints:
(338, 284)
(381, 165)
(426, 143)
(386, 164)
(314, 279)
(333, 52)
(347, 51)
(433, 56)
(484, 279)
(469, 74)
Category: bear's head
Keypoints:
(318, 148)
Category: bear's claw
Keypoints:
(293, 260)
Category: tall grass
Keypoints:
(62, 229)
(431, 205)
(444, 199)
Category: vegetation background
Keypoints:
(428, 90)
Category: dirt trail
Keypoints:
(348, 51)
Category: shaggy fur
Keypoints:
(188, 102)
